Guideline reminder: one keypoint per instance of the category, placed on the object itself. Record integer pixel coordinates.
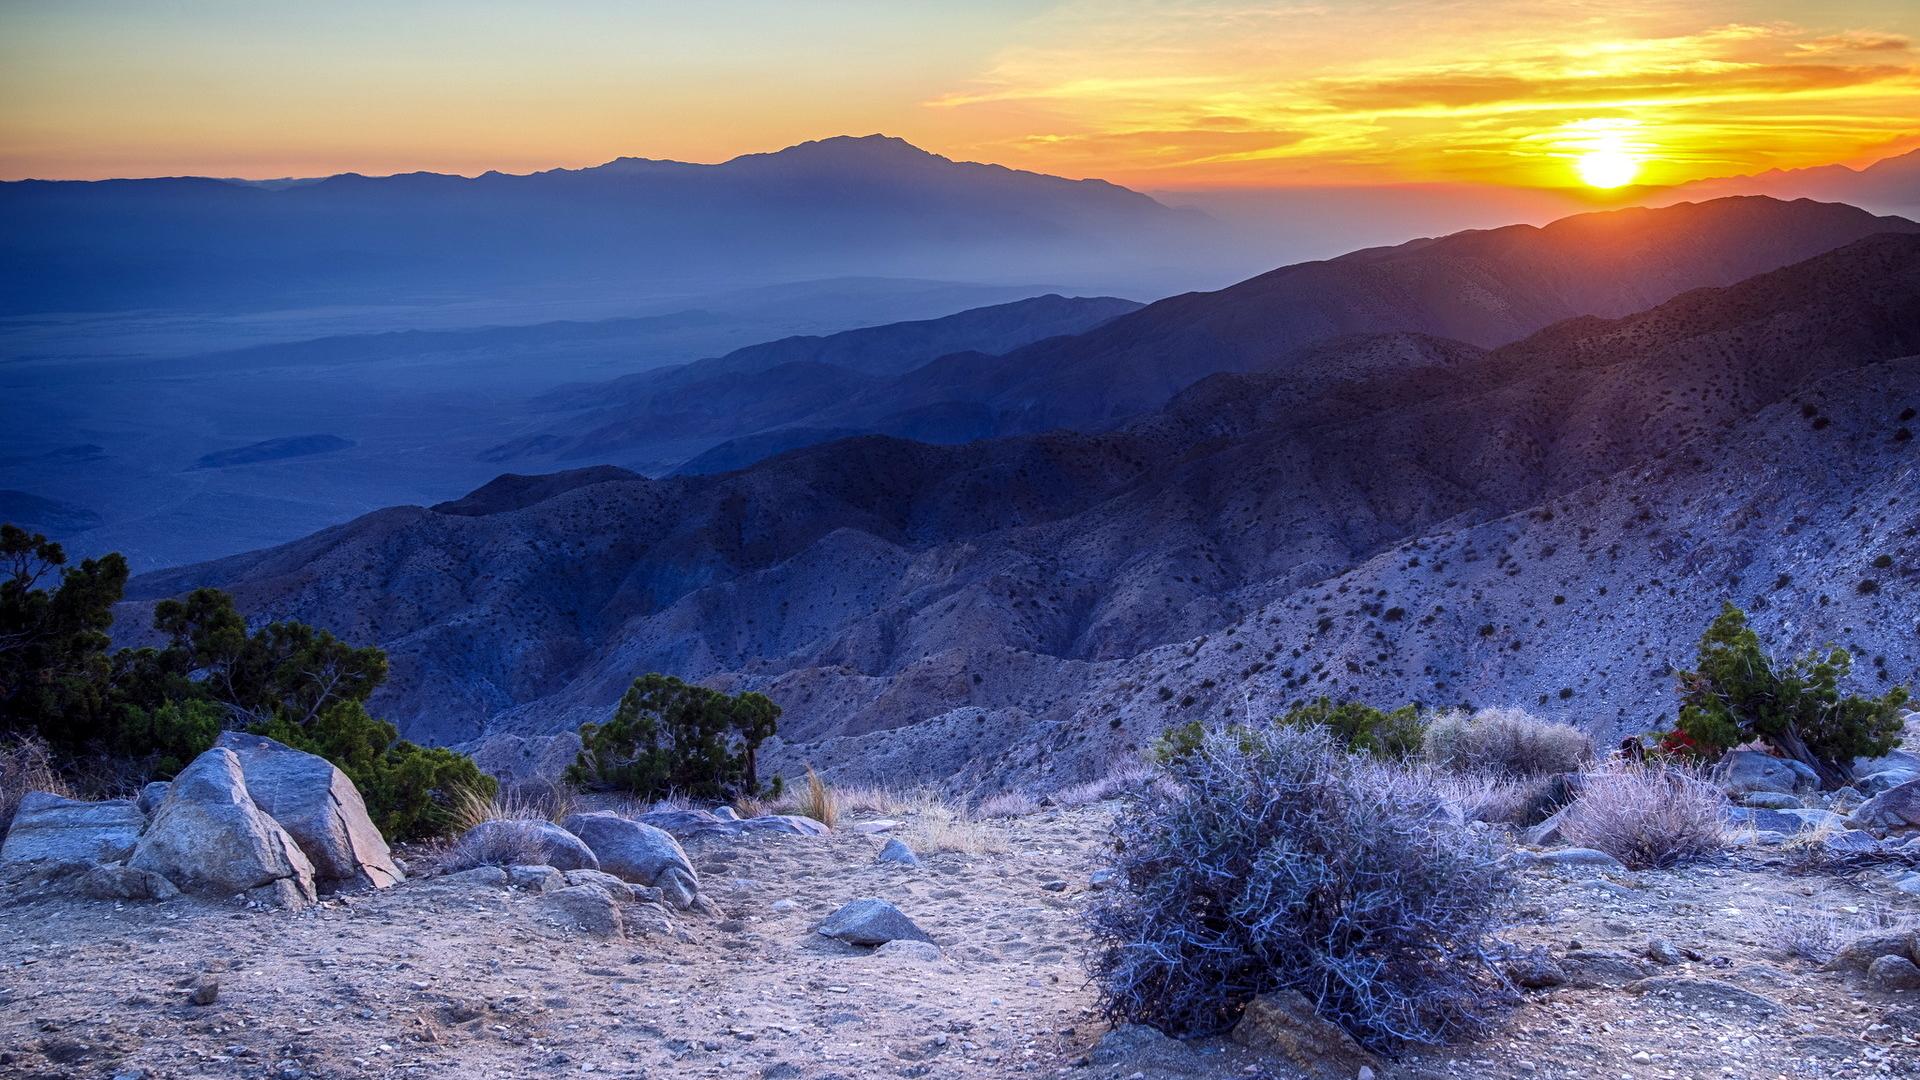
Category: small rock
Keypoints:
(1535, 969)
(585, 907)
(1055, 886)
(1577, 856)
(870, 922)
(896, 851)
(1283, 1025)
(1893, 973)
(726, 813)
(909, 949)
(542, 879)
(1858, 955)
(206, 991)
(1103, 879)
(1662, 951)
(1771, 800)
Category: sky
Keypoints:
(1156, 95)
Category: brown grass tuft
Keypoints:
(1648, 816)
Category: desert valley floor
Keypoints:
(456, 978)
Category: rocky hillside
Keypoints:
(1396, 517)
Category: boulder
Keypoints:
(1588, 968)
(1283, 1025)
(870, 922)
(535, 878)
(118, 881)
(1771, 800)
(1818, 820)
(622, 891)
(1535, 969)
(638, 852)
(789, 824)
(1743, 771)
(1769, 821)
(1896, 809)
(57, 831)
(152, 795)
(319, 807)
(1894, 762)
(1893, 973)
(896, 851)
(584, 907)
(726, 813)
(535, 841)
(209, 838)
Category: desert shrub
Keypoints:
(26, 764)
(1648, 815)
(1276, 860)
(1178, 742)
(1518, 801)
(1006, 804)
(1363, 728)
(495, 846)
(1121, 778)
(1738, 693)
(411, 791)
(670, 736)
(938, 826)
(1506, 742)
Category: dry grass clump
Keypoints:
(1518, 801)
(1007, 804)
(1648, 815)
(1816, 933)
(26, 764)
(938, 827)
(1123, 777)
(495, 842)
(818, 801)
(1506, 742)
(543, 803)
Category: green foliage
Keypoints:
(668, 736)
(410, 790)
(1176, 744)
(1363, 728)
(1738, 693)
(54, 668)
(155, 709)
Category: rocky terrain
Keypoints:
(811, 953)
(1399, 517)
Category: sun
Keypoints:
(1608, 167)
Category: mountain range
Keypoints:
(1390, 514)
(872, 206)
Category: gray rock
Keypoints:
(1894, 761)
(1102, 879)
(152, 795)
(1535, 969)
(542, 840)
(1893, 973)
(622, 891)
(878, 825)
(1284, 1025)
(1138, 1049)
(61, 832)
(638, 852)
(726, 813)
(1777, 821)
(1771, 800)
(1588, 968)
(118, 881)
(1850, 842)
(870, 922)
(1547, 831)
(1743, 771)
(1894, 810)
(1875, 783)
(319, 807)
(1908, 883)
(906, 948)
(897, 851)
(1812, 820)
(486, 877)
(587, 908)
(1857, 955)
(1662, 951)
(1577, 857)
(536, 878)
(209, 838)
(789, 824)
(1707, 995)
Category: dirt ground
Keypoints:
(437, 980)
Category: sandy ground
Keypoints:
(438, 980)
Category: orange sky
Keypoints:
(1151, 94)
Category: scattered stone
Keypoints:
(638, 852)
(897, 851)
(909, 949)
(59, 832)
(587, 908)
(1662, 951)
(556, 846)
(1893, 973)
(206, 991)
(1771, 800)
(1054, 886)
(1283, 1025)
(319, 807)
(1896, 809)
(1589, 968)
(870, 922)
(208, 837)
(622, 891)
(1577, 856)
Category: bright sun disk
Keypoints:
(1607, 167)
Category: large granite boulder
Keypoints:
(1744, 771)
(208, 837)
(1895, 810)
(58, 832)
(319, 807)
(638, 852)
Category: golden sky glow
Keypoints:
(1151, 94)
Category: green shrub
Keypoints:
(169, 735)
(1363, 728)
(411, 791)
(1738, 693)
(671, 737)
